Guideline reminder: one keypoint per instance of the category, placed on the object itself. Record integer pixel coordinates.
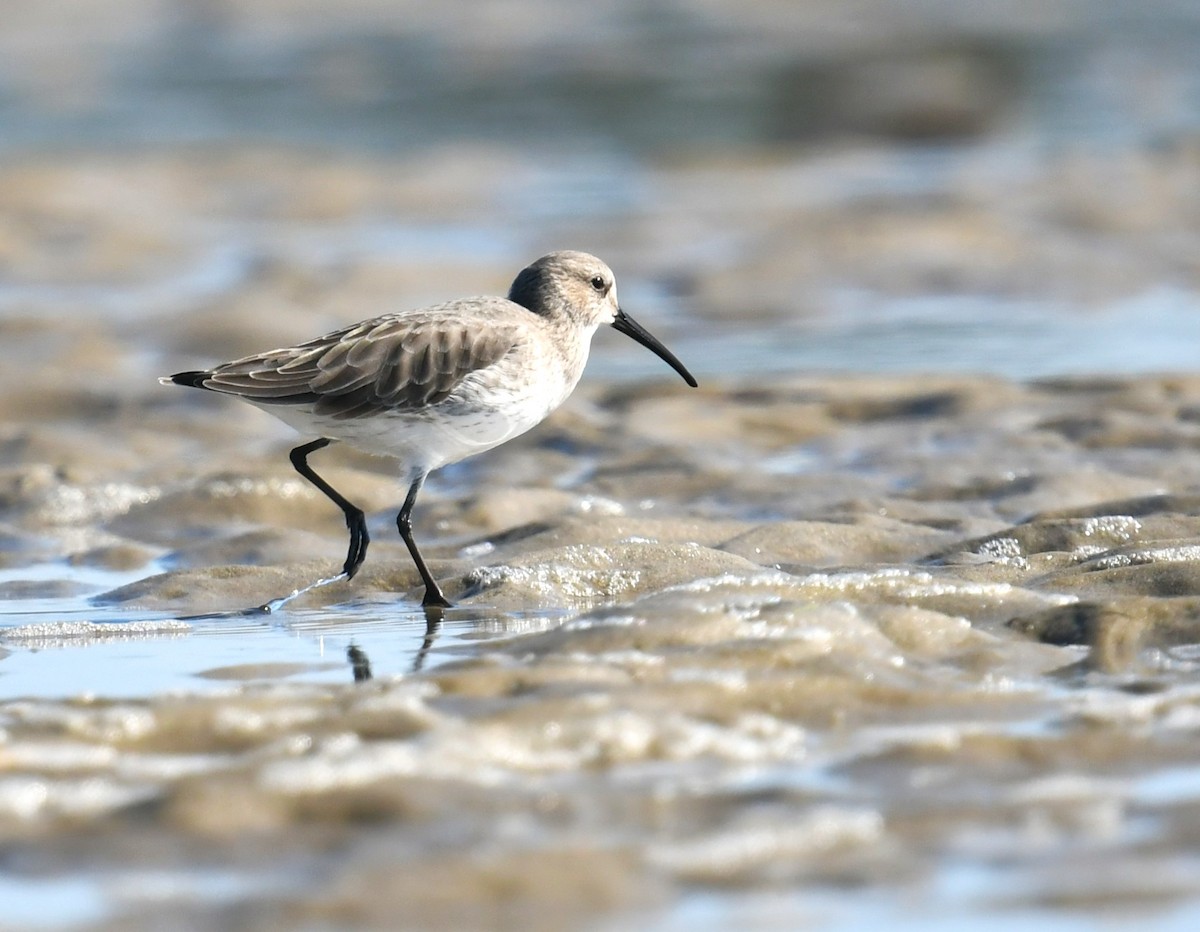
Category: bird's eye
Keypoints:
(599, 284)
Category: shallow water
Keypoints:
(893, 622)
(783, 658)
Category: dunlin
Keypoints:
(435, 385)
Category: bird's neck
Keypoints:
(574, 343)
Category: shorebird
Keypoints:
(435, 385)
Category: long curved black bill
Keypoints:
(631, 328)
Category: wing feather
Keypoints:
(398, 363)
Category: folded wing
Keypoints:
(394, 363)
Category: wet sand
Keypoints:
(908, 643)
(799, 634)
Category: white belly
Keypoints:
(484, 413)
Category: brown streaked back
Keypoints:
(400, 362)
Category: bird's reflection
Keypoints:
(434, 614)
(479, 617)
(360, 663)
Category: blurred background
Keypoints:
(782, 185)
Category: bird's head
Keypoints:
(581, 288)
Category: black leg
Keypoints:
(356, 521)
(433, 594)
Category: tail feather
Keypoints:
(190, 379)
